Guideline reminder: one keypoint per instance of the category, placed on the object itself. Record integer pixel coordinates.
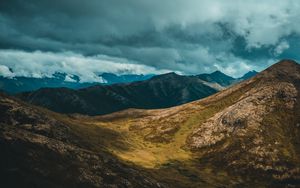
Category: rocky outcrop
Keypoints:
(245, 115)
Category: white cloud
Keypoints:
(265, 23)
(281, 47)
(259, 22)
(5, 72)
(69, 78)
(158, 34)
(44, 64)
(237, 67)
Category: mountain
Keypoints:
(217, 77)
(111, 78)
(248, 75)
(158, 92)
(247, 135)
(42, 149)
(23, 84)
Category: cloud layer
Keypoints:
(44, 64)
(190, 36)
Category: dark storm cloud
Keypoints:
(189, 36)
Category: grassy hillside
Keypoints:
(247, 135)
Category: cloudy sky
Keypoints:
(40, 37)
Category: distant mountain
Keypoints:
(111, 78)
(158, 92)
(225, 80)
(23, 84)
(248, 75)
(218, 77)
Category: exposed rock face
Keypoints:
(245, 115)
(259, 131)
(37, 150)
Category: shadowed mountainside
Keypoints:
(42, 149)
(218, 77)
(158, 92)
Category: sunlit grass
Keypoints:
(132, 146)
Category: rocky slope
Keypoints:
(260, 132)
(40, 149)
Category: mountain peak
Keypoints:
(287, 61)
(171, 73)
(284, 64)
(248, 75)
(166, 75)
(217, 77)
(283, 69)
(217, 72)
(220, 74)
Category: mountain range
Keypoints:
(111, 78)
(160, 91)
(247, 135)
(58, 80)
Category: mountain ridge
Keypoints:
(248, 75)
(159, 91)
(218, 77)
(25, 84)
